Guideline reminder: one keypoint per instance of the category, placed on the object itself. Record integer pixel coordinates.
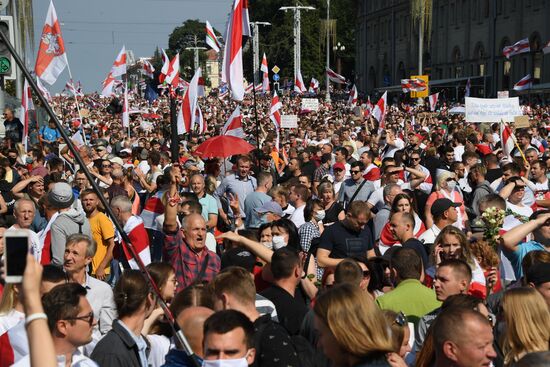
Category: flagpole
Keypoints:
(109, 211)
(77, 105)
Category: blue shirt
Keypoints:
(49, 134)
(233, 184)
(516, 257)
(254, 201)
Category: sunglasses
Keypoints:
(354, 172)
(89, 318)
(450, 179)
(415, 159)
(400, 319)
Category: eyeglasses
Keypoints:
(89, 318)
(400, 319)
(354, 172)
(415, 159)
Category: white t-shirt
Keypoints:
(522, 210)
(298, 216)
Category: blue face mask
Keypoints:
(264, 219)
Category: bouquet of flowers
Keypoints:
(493, 219)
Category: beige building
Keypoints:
(213, 68)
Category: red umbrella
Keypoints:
(223, 146)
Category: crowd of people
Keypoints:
(343, 242)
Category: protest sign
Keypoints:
(492, 109)
(289, 121)
(310, 104)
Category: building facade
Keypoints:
(466, 41)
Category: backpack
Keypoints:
(304, 350)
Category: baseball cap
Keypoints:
(271, 207)
(238, 256)
(440, 205)
(339, 165)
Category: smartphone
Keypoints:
(15, 256)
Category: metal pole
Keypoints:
(295, 29)
(255, 53)
(492, 70)
(126, 240)
(17, 38)
(421, 39)
(298, 41)
(327, 93)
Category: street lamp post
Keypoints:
(256, 47)
(338, 48)
(327, 95)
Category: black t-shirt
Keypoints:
(273, 345)
(493, 174)
(331, 215)
(290, 310)
(342, 242)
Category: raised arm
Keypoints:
(511, 239)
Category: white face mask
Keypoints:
(240, 362)
(320, 215)
(278, 242)
(451, 185)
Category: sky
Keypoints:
(94, 31)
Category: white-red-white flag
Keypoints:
(173, 74)
(249, 88)
(313, 85)
(353, 96)
(335, 77)
(275, 116)
(433, 101)
(165, 67)
(26, 106)
(211, 39)
(379, 110)
(525, 83)
(299, 86)
(232, 68)
(147, 69)
(45, 93)
(265, 70)
(51, 59)
(517, 48)
(107, 86)
(125, 109)
(413, 85)
(507, 139)
(199, 120)
(119, 66)
(188, 111)
(258, 88)
(234, 124)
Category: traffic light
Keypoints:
(7, 63)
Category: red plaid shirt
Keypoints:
(187, 262)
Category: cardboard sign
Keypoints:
(492, 109)
(521, 122)
(310, 104)
(289, 121)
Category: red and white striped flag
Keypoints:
(173, 74)
(125, 109)
(275, 116)
(119, 66)
(234, 124)
(353, 96)
(211, 39)
(249, 88)
(433, 101)
(507, 139)
(517, 48)
(258, 88)
(135, 230)
(413, 85)
(379, 111)
(188, 111)
(165, 67)
(45, 93)
(147, 69)
(299, 86)
(546, 48)
(199, 120)
(313, 85)
(525, 83)
(26, 106)
(335, 78)
(232, 69)
(51, 59)
(265, 70)
(107, 87)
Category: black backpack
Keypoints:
(304, 350)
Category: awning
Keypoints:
(441, 83)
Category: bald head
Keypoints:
(191, 321)
(194, 231)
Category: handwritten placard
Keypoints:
(492, 109)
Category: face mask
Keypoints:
(268, 245)
(320, 215)
(241, 362)
(451, 185)
(278, 242)
(28, 160)
(12, 160)
(263, 219)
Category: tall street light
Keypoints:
(256, 47)
(327, 95)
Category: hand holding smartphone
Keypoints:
(16, 243)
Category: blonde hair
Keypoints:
(355, 321)
(528, 323)
(466, 254)
(442, 177)
(9, 299)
